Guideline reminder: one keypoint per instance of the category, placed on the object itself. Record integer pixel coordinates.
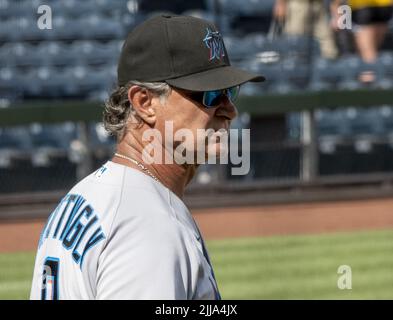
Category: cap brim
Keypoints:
(215, 79)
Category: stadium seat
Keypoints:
(73, 8)
(31, 84)
(14, 144)
(25, 29)
(331, 123)
(351, 63)
(44, 136)
(325, 74)
(235, 7)
(16, 9)
(283, 87)
(100, 28)
(112, 8)
(65, 28)
(48, 82)
(384, 65)
(296, 74)
(87, 80)
(7, 53)
(99, 95)
(47, 142)
(10, 140)
(130, 20)
(11, 82)
(386, 118)
(253, 89)
(240, 49)
(54, 53)
(95, 53)
(365, 122)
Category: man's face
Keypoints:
(183, 112)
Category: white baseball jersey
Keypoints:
(119, 234)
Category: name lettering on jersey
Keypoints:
(73, 223)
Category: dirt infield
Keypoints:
(249, 221)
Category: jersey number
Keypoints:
(50, 279)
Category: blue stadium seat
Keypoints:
(386, 61)
(111, 7)
(98, 95)
(66, 29)
(331, 123)
(10, 139)
(16, 9)
(252, 89)
(296, 74)
(30, 55)
(272, 71)
(283, 87)
(73, 8)
(384, 83)
(384, 66)
(98, 27)
(14, 145)
(386, 117)
(44, 136)
(366, 122)
(350, 67)
(65, 133)
(48, 82)
(95, 53)
(6, 54)
(87, 80)
(11, 81)
(239, 48)
(31, 84)
(12, 30)
(351, 64)
(48, 143)
(53, 53)
(246, 7)
(26, 29)
(325, 74)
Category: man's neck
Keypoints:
(173, 176)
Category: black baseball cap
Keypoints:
(183, 51)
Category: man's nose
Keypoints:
(226, 109)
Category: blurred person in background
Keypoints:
(370, 24)
(306, 17)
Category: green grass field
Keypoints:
(280, 267)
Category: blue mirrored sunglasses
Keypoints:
(211, 99)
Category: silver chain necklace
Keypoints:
(140, 165)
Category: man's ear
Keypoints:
(142, 102)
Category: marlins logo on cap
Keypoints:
(214, 42)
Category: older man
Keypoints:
(124, 232)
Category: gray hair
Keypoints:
(118, 108)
